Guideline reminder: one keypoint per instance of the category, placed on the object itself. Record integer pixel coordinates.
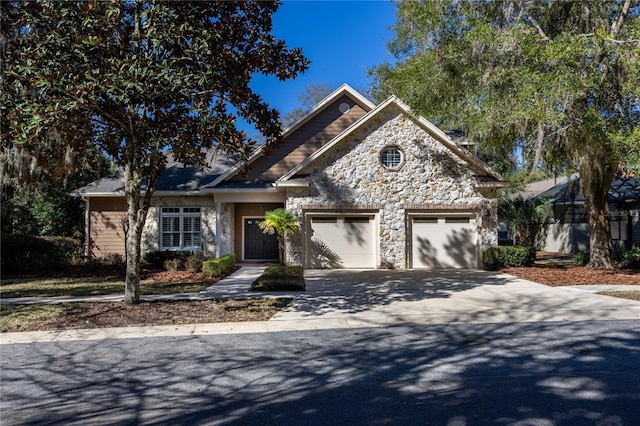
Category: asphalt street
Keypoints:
(531, 373)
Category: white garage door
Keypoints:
(341, 241)
(444, 242)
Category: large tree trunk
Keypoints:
(132, 184)
(596, 177)
(132, 280)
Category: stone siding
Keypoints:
(351, 174)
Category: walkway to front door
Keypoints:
(257, 244)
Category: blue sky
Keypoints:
(342, 39)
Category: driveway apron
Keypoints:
(381, 297)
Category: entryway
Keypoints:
(257, 244)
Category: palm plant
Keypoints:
(281, 222)
(522, 216)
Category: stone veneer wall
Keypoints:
(151, 234)
(227, 217)
(351, 176)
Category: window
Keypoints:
(391, 157)
(180, 228)
(456, 220)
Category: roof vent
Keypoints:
(344, 107)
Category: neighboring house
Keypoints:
(566, 227)
(373, 186)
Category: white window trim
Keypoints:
(381, 156)
(181, 214)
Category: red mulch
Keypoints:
(561, 275)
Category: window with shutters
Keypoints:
(180, 228)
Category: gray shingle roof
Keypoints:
(621, 191)
(176, 177)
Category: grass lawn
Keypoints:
(65, 316)
(49, 287)
(633, 295)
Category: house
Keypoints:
(375, 186)
(565, 228)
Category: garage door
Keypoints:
(444, 242)
(341, 241)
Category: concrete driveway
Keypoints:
(382, 297)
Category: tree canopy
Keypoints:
(136, 78)
(554, 80)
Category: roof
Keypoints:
(536, 188)
(623, 190)
(221, 167)
(177, 178)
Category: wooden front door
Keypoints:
(257, 244)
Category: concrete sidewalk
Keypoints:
(235, 286)
(375, 298)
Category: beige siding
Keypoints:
(105, 225)
(248, 210)
(305, 141)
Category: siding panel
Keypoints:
(305, 141)
(105, 225)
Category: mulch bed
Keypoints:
(556, 276)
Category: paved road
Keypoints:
(530, 373)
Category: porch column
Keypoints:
(218, 228)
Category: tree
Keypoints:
(40, 205)
(556, 80)
(281, 222)
(312, 94)
(134, 79)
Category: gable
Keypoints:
(306, 139)
(352, 172)
(374, 120)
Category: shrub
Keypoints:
(502, 256)
(157, 258)
(280, 278)
(25, 253)
(582, 258)
(219, 265)
(632, 258)
(112, 259)
(172, 264)
(194, 262)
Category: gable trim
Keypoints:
(429, 127)
(344, 89)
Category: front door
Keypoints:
(257, 244)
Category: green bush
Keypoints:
(219, 265)
(172, 264)
(157, 258)
(25, 253)
(582, 258)
(112, 259)
(280, 278)
(490, 258)
(632, 258)
(503, 256)
(194, 262)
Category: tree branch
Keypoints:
(617, 25)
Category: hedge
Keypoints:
(502, 256)
(280, 278)
(26, 253)
(219, 265)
